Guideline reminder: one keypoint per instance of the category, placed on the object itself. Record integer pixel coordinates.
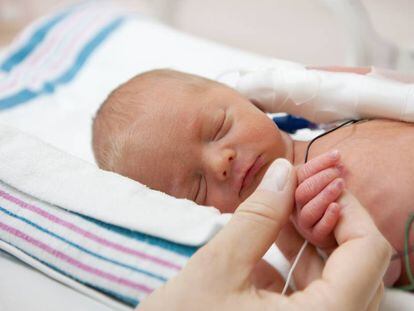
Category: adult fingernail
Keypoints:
(276, 176)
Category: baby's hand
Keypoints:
(319, 186)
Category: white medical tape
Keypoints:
(323, 96)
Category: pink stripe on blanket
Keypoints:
(86, 233)
(72, 261)
(40, 54)
(43, 55)
(52, 68)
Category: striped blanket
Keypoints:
(118, 265)
(123, 264)
(53, 51)
(101, 233)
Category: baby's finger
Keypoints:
(315, 209)
(312, 186)
(322, 232)
(317, 164)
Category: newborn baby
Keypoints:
(198, 139)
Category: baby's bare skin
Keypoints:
(377, 158)
(213, 147)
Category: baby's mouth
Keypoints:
(250, 174)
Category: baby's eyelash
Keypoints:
(201, 200)
(198, 190)
(205, 192)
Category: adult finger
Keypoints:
(257, 221)
(376, 301)
(357, 266)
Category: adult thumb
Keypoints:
(257, 222)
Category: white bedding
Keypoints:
(63, 119)
(40, 292)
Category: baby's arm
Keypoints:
(319, 186)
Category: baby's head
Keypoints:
(187, 136)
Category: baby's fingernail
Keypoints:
(340, 168)
(334, 207)
(276, 176)
(340, 183)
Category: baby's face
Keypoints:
(212, 149)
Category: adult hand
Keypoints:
(220, 276)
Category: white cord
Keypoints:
(295, 262)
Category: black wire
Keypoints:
(398, 254)
(326, 133)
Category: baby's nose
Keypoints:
(222, 164)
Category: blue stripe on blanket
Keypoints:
(131, 301)
(38, 227)
(34, 41)
(50, 86)
(181, 249)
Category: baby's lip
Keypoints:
(249, 172)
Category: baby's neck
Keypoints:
(299, 149)
(294, 149)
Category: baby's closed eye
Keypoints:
(201, 194)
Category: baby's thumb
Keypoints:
(257, 222)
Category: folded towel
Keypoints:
(103, 230)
